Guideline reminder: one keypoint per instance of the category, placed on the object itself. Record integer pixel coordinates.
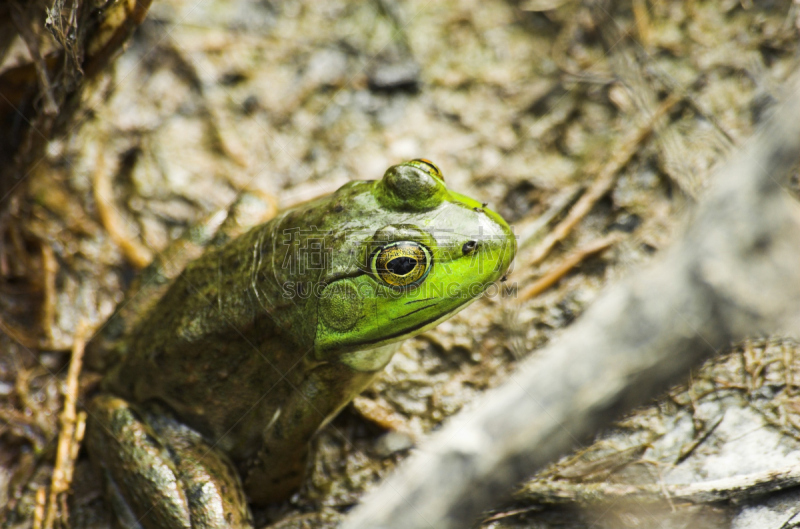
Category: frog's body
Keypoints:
(264, 338)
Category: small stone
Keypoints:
(393, 442)
(391, 76)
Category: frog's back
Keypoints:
(110, 345)
(208, 344)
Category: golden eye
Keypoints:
(430, 167)
(402, 264)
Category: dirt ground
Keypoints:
(522, 105)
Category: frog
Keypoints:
(235, 349)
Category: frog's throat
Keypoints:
(377, 354)
(372, 359)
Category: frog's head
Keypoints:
(420, 254)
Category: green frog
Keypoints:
(220, 371)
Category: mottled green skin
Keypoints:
(264, 338)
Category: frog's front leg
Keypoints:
(279, 467)
(160, 473)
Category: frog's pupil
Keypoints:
(401, 265)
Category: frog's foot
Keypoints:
(160, 473)
(270, 479)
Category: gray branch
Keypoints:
(735, 273)
(735, 488)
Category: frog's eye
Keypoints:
(402, 264)
(429, 167)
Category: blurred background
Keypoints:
(123, 126)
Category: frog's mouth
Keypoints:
(425, 325)
(407, 314)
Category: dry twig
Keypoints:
(23, 25)
(72, 428)
(551, 277)
(38, 510)
(136, 252)
(604, 182)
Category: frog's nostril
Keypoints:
(469, 247)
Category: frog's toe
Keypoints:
(161, 474)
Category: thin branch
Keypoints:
(604, 182)
(734, 488)
(32, 43)
(551, 277)
(137, 253)
(72, 428)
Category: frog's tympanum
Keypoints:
(215, 388)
